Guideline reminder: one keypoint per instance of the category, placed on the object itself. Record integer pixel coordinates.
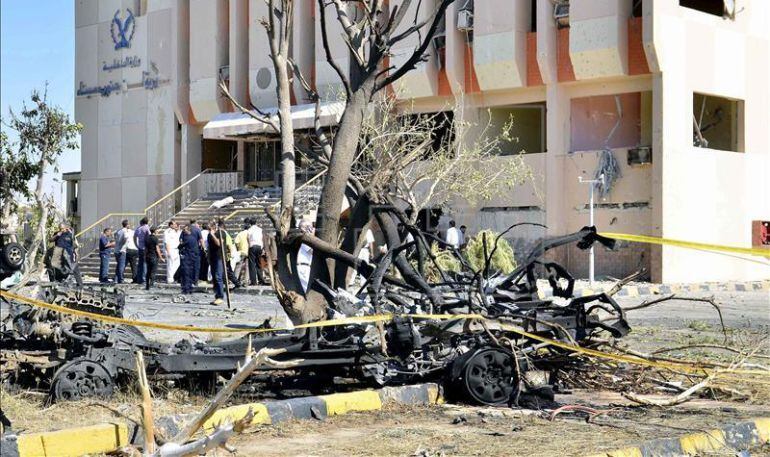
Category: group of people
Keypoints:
(192, 253)
(195, 252)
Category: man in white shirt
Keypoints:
(125, 251)
(171, 246)
(305, 256)
(453, 236)
(254, 235)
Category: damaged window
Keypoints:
(610, 121)
(717, 123)
(522, 128)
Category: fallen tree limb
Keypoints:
(148, 423)
(708, 346)
(709, 300)
(678, 399)
(217, 439)
(260, 359)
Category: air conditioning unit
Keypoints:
(640, 156)
(561, 15)
(465, 20)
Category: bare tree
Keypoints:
(403, 155)
(370, 29)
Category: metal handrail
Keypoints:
(105, 218)
(153, 211)
(207, 170)
(254, 210)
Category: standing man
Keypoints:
(204, 264)
(255, 252)
(189, 250)
(122, 238)
(152, 256)
(230, 257)
(242, 248)
(216, 262)
(195, 229)
(453, 235)
(463, 241)
(171, 246)
(140, 237)
(106, 248)
(65, 240)
(305, 256)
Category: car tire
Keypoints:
(13, 256)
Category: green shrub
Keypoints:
(503, 260)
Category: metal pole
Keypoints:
(592, 183)
(591, 223)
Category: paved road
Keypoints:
(159, 307)
(739, 309)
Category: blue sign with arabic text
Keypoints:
(122, 30)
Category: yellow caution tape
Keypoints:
(687, 244)
(689, 366)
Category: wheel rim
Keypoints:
(81, 379)
(490, 376)
(15, 255)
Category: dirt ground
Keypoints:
(450, 430)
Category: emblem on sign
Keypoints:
(122, 31)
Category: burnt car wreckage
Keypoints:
(478, 361)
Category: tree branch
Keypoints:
(327, 49)
(418, 54)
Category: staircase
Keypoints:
(248, 203)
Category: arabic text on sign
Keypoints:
(132, 62)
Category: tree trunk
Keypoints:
(288, 177)
(343, 154)
(40, 237)
(359, 216)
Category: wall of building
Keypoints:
(709, 195)
(134, 149)
(126, 99)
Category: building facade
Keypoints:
(669, 97)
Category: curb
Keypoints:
(94, 439)
(102, 438)
(316, 407)
(664, 289)
(740, 436)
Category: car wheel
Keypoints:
(13, 255)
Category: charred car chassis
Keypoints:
(478, 361)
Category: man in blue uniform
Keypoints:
(106, 247)
(189, 245)
(216, 262)
(195, 229)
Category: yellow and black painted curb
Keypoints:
(103, 438)
(736, 437)
(665, 289)
(93, 439)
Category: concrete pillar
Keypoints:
(657, 203)
(191, 151)
(557, 145)
(240, 152)
(239, 50)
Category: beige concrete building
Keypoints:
(676, 91)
